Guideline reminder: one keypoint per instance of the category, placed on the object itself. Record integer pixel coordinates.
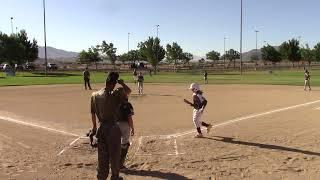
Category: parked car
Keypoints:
(18, 67)
(6, 67)
(30, 67)
(52, 66)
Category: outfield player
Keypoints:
(205, 77)
(199, 104)
(135, 76)
(307, 80)
(126, 126)
(140, 83)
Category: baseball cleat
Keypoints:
(198, 136)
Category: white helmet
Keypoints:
(194, 86)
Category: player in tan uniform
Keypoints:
(199, 104)
(105, 105)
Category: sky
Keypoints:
(198, 26)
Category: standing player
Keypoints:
(140, 83)
(135, 76)
(205, 76)
(199, 104)
(307, 80)
(126, 125)
(86, 78)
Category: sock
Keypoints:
(199, 130)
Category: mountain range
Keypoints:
(69, 56)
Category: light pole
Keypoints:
(128, 46)
(11, 25)
(241, 40)
(16, 30)
(257, 57)
(159, 42)
(256, 43)
(157, 30)
(128, 42)
(45, 37)
(224, 50)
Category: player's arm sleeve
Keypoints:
(131, 111)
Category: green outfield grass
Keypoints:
(284, 77)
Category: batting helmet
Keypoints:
(194, 86)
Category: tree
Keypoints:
(11, 50)
(174, 54)
(186, 58)
(213, 55)
(124, 57)
(307, 54)
(269, 53)
(290, 50)
(84, 57)
(17, 48)
(110, 51)
(90, 56)
(317, 52)
(133, 56)
(232, 55)
(31, 48)
(152, 51)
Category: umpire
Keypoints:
(105, 105)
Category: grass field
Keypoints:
(284, 77)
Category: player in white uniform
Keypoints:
(199, 104)
(307, 80)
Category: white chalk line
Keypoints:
(139, 144)
(176, 147)
(176, 135)
(24, 145)
(9, 119)
(66, 148)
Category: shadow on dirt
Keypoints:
(264, 146)
(155, 174)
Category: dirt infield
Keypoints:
(266, 132)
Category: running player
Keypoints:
(199, 104)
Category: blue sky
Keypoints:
(197, 25)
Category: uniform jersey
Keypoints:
(198, 100)
(126, 111)
(140, 78)
(105, 105)
(86, 74)
(306, 76)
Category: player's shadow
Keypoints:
(155, 174)
(263, 146)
